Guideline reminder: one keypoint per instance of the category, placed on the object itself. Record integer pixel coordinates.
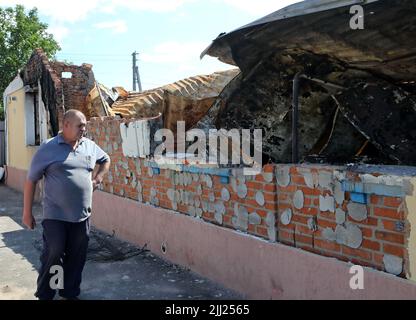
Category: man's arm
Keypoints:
(29, 192)
(102, 170)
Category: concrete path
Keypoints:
(114, 269)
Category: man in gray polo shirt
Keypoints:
(66, 162)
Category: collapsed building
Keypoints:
(355, 88)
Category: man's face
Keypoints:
(75, 128)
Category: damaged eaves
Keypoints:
(185, 100)
(361, 103)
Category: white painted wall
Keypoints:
(135, 138)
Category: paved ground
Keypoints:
(114, 269)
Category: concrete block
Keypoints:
(339, 216)
(329, 234)
(268, 176)
(191, 211)
(199, 190)
(260, 198)
(219, 208)
(357, 211)
(298, 199)
(311, 178)
(254, 218)
(286, 217)
(283, 176)
(233, 182)
(341, 235)
(393, 264)
(204, 206)
(327, 203)
(339, 194)
(325, 180)
(208, 181)
(218, 217)
(225, 194)
(312, 225)
(351, 235)
(150, 171)
(272, 233)
(242, 191)
(270, 219)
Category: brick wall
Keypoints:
(59, 94)
(321, 209)
(381, 219)
(76, 88)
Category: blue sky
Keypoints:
(168, 34)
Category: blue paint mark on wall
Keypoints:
(373, 188)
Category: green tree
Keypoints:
(20, 33)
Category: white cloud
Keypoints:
(118, 26)
(178, 60)
(259, 8)
(76, 10)
(174, 52)
(59, 11)
(144, 5)
(58, 31)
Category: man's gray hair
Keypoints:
(71, 114)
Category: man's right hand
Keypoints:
(29, 221)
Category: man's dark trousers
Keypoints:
(64, 244)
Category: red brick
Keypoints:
(270, 206)
(372, 245)
(378, 258)
(307, 202)
(251, 227)
(261, 213)
(326, 224)
(357, 253)
(309, 211)
(390, 225)
(291, 227)
(299, 180)
(392, 202)
(394, 250)
(310, 192)
(251, 202)
(367, 232)
(390, 237)
(254, 185)
(363, 263)
(327, 215)
(293, 170)
(303, 229)
(308, 248)
(288, 189)
(270, 196)
(303, 239)
(259, 178)
(327, 245)
(283, 197)
(285, 235)
(227, 220)
(388, 213)
(269, 187)
(262, 231)
(300, 219)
